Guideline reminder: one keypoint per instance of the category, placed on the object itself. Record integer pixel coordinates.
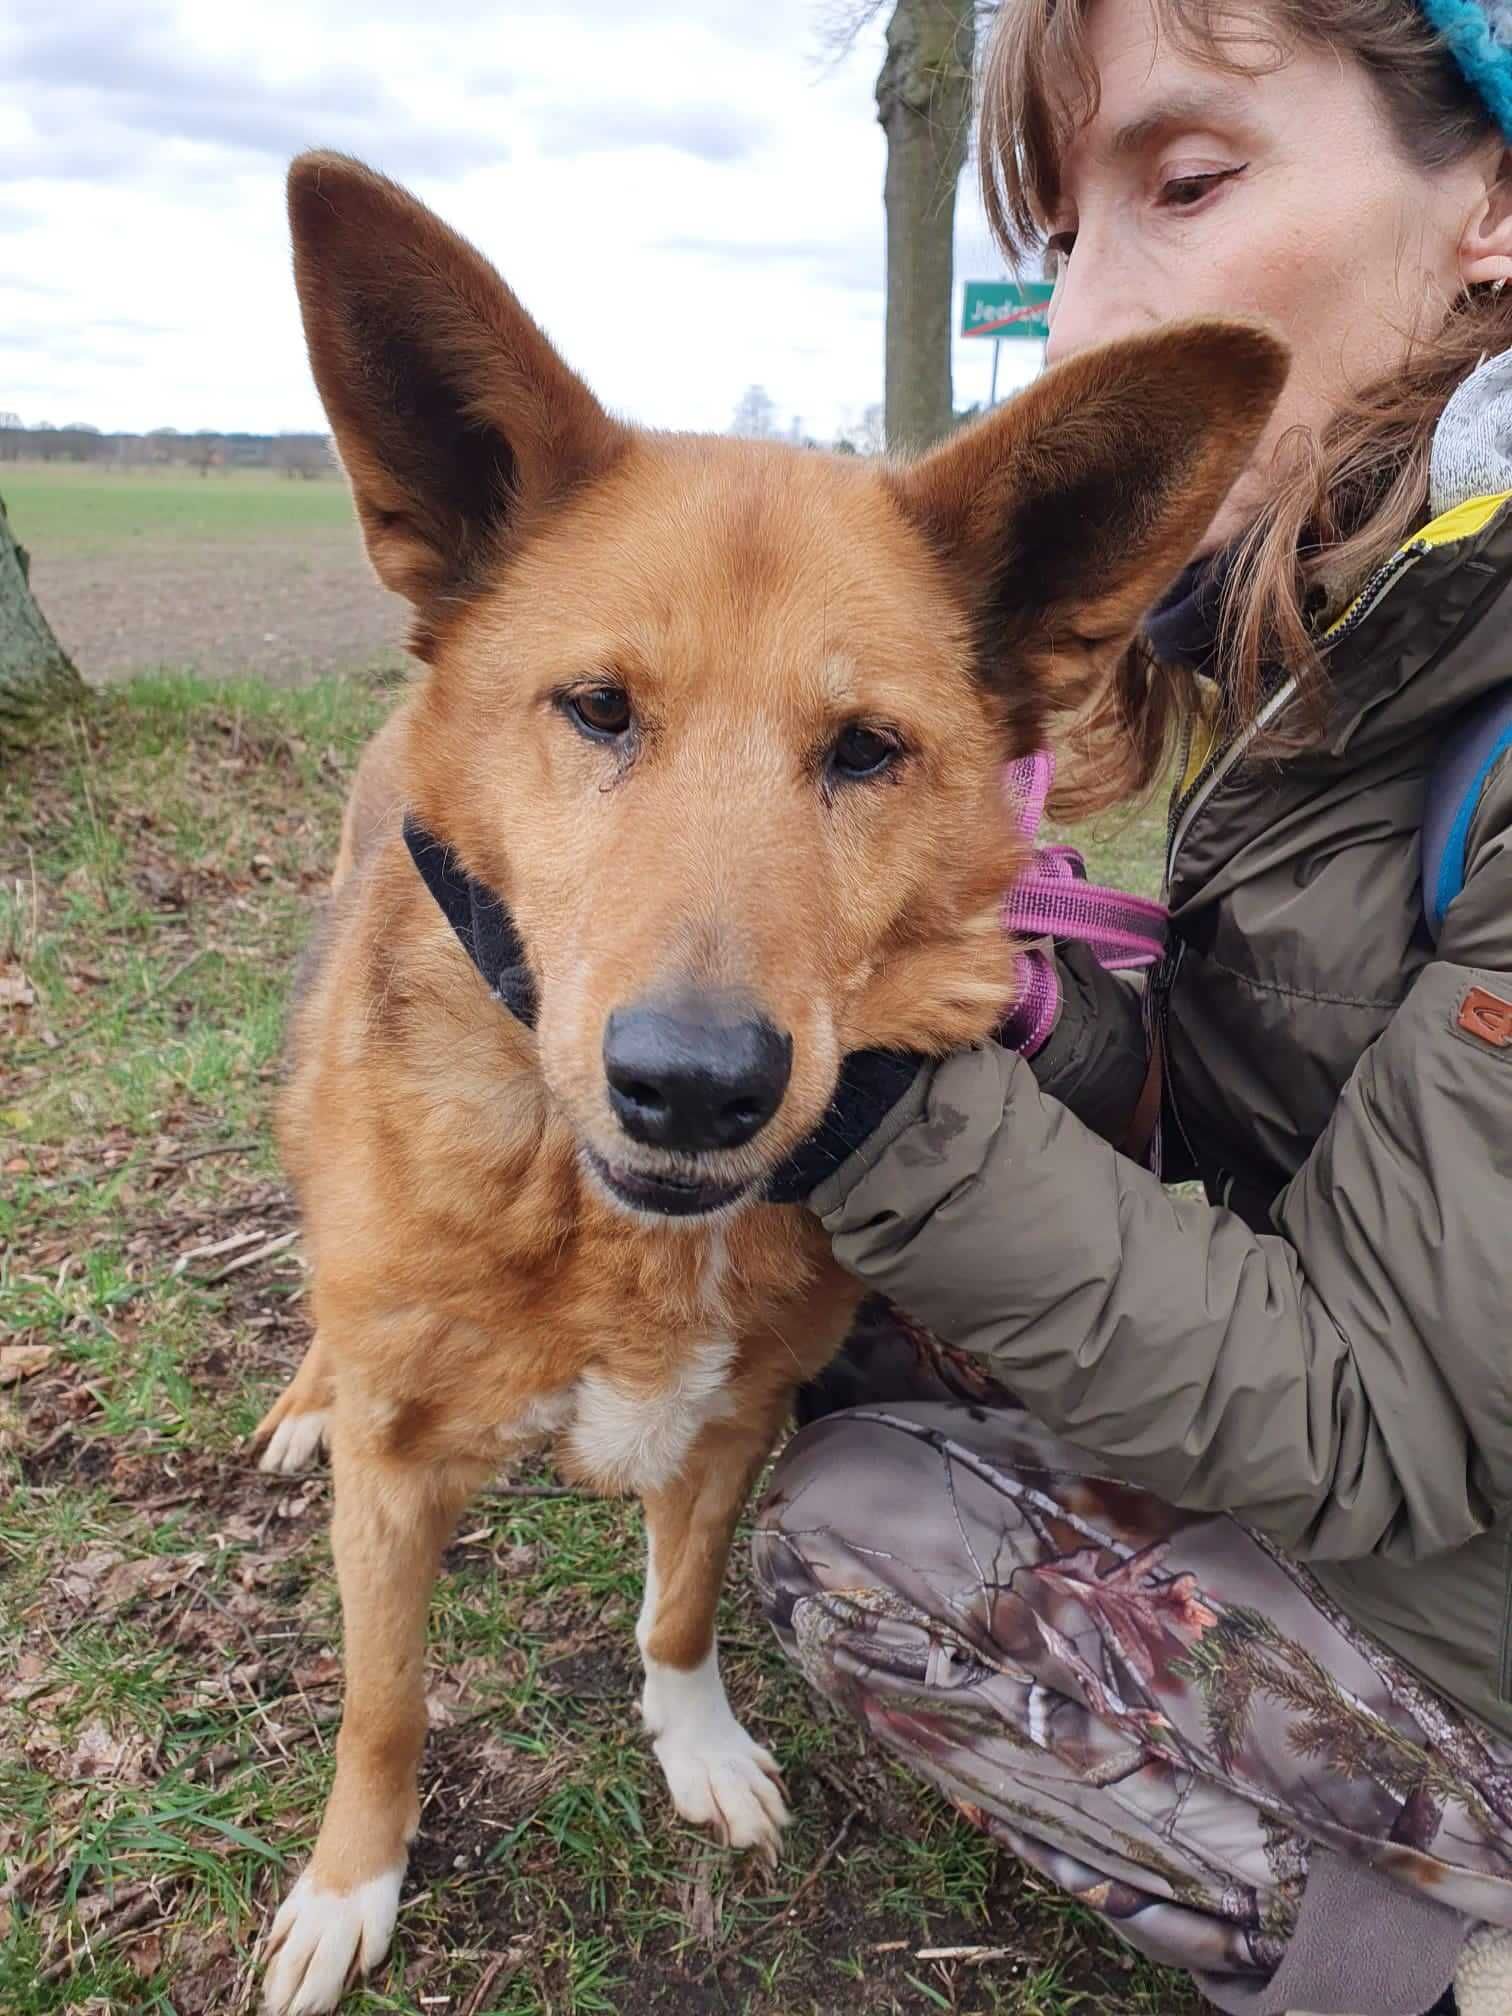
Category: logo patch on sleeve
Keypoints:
(1487, 1018)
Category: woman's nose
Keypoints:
(1077, 313)
(1095, 302)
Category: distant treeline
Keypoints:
(307, 455)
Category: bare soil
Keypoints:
(287, 608)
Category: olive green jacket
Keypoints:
(1324, 1347)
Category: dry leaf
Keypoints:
(324, 1670)
(145, 1956)
(205, 1967)
(80, 1579)
(440, 1711)
(98, 1753)
(33, 1676)
(153, 1576)
(20, 1361)
(16, 991)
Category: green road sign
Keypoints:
(1005, 309)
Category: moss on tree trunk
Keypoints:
(36, 673)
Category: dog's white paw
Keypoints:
(717, 1775)
(736, 1790)
(295, 1443)
(322, 1940)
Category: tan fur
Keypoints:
(474, 1285)
(375, 802)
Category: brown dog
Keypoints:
(723, 724)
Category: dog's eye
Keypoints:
(601, 711)
(861, 752)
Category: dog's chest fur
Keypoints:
(628, 1434)
(631, 1441)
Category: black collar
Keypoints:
(1184, 626)
(485, 929)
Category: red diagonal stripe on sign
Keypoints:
(1034, 312)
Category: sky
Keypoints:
(687, 196)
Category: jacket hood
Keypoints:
(1423, 638)
(1472, 449)
(1428, 638)
(1431, 634)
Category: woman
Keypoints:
(1210, 1621)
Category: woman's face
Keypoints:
(1280, 194)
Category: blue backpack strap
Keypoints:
(1456, 785)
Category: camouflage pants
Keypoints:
(1154, 1709)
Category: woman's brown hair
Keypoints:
(1345, 501)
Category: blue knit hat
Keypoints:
(1479, 35)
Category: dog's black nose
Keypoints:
(695, 1073)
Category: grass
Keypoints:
(168, 1622)
(65, 507)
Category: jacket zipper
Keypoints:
(1222, 761)
(1218, 767)
(1366, 601)
(1215, 770)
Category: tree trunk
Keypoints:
(36, 674)
(924, 104)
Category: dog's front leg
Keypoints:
(390, 1523)
(717, 1775)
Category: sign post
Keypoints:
(1002, 311)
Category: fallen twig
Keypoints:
(851, 1794)
(217, 1247)
(973, 1956)
(136, 1913)
(266, 1252)
(169, 1499)
(51, 1183)
(237, 1624)
(203, 1154)
(790, 1910)
(45, 1050)
(512, 1961)
(80, 1176)
(822, 1864)
(59, 1435)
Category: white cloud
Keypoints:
(687, 196)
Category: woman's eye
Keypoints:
(1185, 192)
(1060, 245)
(602, 712)
(861, 752)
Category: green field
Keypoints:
(168, 1620)
(55, 504)
(240, 572)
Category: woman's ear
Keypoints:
(1486, 248)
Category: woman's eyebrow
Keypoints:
(1183, 110)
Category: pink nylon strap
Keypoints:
(1052, 899)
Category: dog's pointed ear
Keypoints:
(456, 420)
(1065, 516)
